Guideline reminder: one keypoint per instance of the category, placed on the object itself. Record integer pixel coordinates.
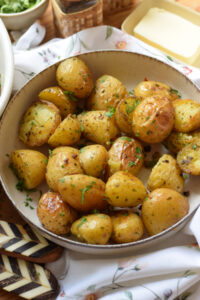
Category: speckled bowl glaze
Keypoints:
(130, 68)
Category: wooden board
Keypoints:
(7, 211)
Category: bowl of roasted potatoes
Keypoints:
(101, 152)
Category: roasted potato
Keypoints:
(67, 133)
(83, 192)
(162, 209)
(126, 154)
(93, 229)
(150, 88)
(30, 166)
(54, 214)
(64, 101)
(74, 76)
(153, 119)
(176, 141)
(166, 174)
(38, 123)
(93, 159)
(125, 190)
(107, 93)
(189, 158)
(124, 114)
(187, 115)
(98, 126)
(127, 227)
(62, 161)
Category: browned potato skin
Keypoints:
(93, 229)
(153, 119)
(72, 189)
(35, 129)
(176, 141)
(187, 115)
(162, 209)
(150, 88)
(98, 127)
(127, 227)
(30, 165)
(93, 159)
(125, 190)
(189, 158)
(54, 214)
(56, 95)
(107, 93)
(73, 75)
(166, 174)
(124, 114)
(67, 133)
(126, 154)
(63, 161)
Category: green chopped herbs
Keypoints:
(82, 128)
(138, 156)
(103, 79)
(14, 6)
(88, 187)
(82, 150)
(126, 138)
(176, 92)
(50, 152)
(62, 213)
(194, 147)
(131, 93)
(117, 95)
(83, 220)
(125, 213)
(131, 163)
(110, 113)
(46, 161)
(185, 176)
(20, 185)
(130, 108)
(27, 201)
(138, 150)
(70, 96)
(62, 180)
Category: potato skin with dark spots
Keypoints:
(55, 214)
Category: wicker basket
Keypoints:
(110, 6)
(70, 23)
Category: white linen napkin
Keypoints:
(170, 270)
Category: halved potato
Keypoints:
(153, 119)
(55, 214)
(162, 209)
(127, 227)
(56, 95)
(83, 192)
(67, 133)
(107, 93)
(176, 141)
(38, 123)
(187, 115)
(74, 76)
(126, 154)
(124, 114)
(166, 173)
(189, 158)
(98, 126)
(150, 88)
(30, 166)
(62, 161)
(125, 190)
(93, 229)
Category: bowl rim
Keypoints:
(9, 68)
(64, 239)
(29, 10)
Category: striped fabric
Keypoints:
(28, 280)
(24, 240)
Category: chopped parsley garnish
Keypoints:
(82, 128)
(176, 92)
(138, 156)
(84, 112)
(110, 113)
(82, 150)
(46, 161)
(83, 220)
(126, 138)
(117, 95)
(131, 163)
(62, 213)
(185, 176)
(62, 180)
(131, 93)
(20, 185)
(194, 147)
(130, 108)
(103, 79)
(88, 187)
(138, 150)
(70, 96)
(125, 213)
(50, 152)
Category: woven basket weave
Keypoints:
(110, 6)
(70, 23)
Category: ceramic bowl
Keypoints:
(6, 67)
(130, 68)
(21, 20)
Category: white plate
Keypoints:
(6, 67)
(131, 69)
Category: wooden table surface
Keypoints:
(7, 211)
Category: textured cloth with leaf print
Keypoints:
(165, 272)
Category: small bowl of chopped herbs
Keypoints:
(20, 14)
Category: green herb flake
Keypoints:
(126, 138)
(194, 147)
(110, 113)
(185, 176)
(137, 134)
(61, 213)
(20, 185)
(138, 156)
(84, 113)
(130, 108)
(125, 213)
(50, 152)
(83, 220)
(103, 79)
(147, 118)
(148, 132)
(72, 185)
(117, 95)
(62, 180)
(131, 93)
(176, 92)
(138, 150)
(25, 165)
(32, 123)
(82, 150)
(82, 128)
(46, 161)
(146, 198)
(131, 163)
(95, 211)
(83, 191)
(70, 95)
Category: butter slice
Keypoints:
(170, 33)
